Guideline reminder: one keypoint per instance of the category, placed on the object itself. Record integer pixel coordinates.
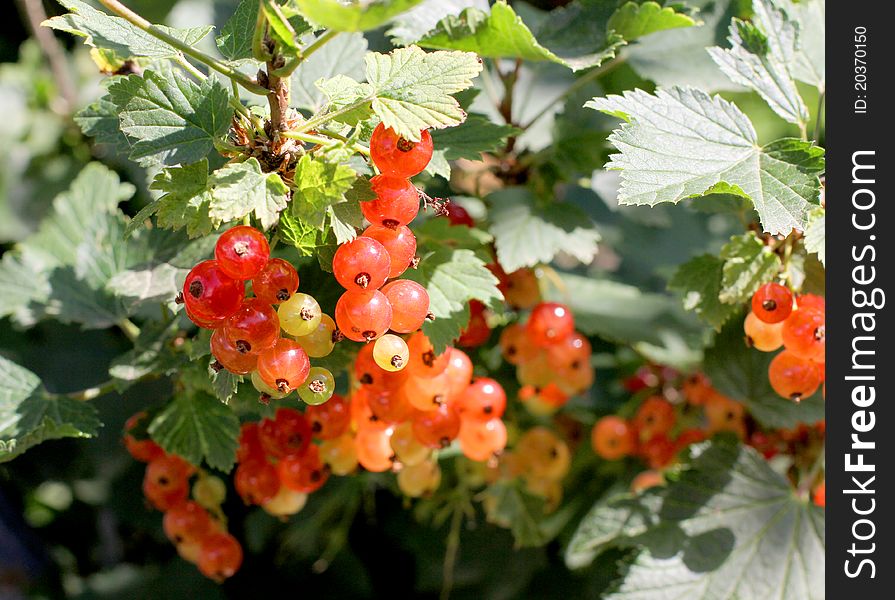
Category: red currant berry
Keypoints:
(250, 447)
(232, 359)
(305, 473)
(613, 438)
(804, 334)
(458, 372)
(410, 304)
(204, 322)
(242, 252)
(373, 377)
(458, 215)
(256, 481)
(550, 323)
(210, 294)
(477, 331)
(772, 303)
(812, 301)
(363, 316)
(658, 451)
(276, 282)
(399, 242)
(481, 440)
(220, 556)
(287, 434)
(186, 522)
(483, 400)
(330, 419)
(374, 452)
(424, 362)
(144, 450)
(284, 366)
(254, 327)
(362, 264)
(166, 482)
(397, 202)
(399, 157)
(793, 377)
(390, 407)
(654, 417)
(437, 428)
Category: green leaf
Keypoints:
(613, 310)
(517, 510)
(440, 232)
(682, 143)
(414, 24)
(298, 233)
(699, 280)
(29, 415)
(816, 234)
(239, 189)
(742, 373)
(633, 20)
(748, 264)
(172, 119)
(579, 35)
(185, 200)
(614, 517)
(344, 55)
(225, 385)
(235, 41)
(526, 234)
(198, 427)
(100, 30)
(476, 135)
(152, 353)
(353, 15)
(99, 120)
(413, 88)
(732, 529)
(318, 184)
(762, 63)
(809, 64)
(452, 278)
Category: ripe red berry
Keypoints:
(658, 451)
(410, 304)
(483, 400)
(399, 157)
(256, 481)
(437, 428)
(477, 331)
(373, 377)
(202, 321)
(287, 434)
(363, 316)
(305, 473)
(186, 522)
(389, 407)
(458, 372)
(812, 301)
(515, 345)
(793, 377)
(276, 282)
(144, 449)
(242, 252)
(250, 447)
(654, 417)
(362, 264)
(458, 215)
(166, 482)
(772, 303)
(550, 323)
(374, 452)
(480, 440)
(397, 202)
(424, 362)
(220, 556)
(230, 357)
(284, 366)
(613, 438)
(399, 242)
(804, 334)
(254, 327)
(209, 293)
(330, 419)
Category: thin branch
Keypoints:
(224, 69)
(35, 15)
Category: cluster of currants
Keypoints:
(195, 526)
(542, 459)
(552, 359)
(247, 336)
(384, 251)
(799, 326)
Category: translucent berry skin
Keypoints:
(477, 331)
(166, 481)
(143, 450)
(363, 316)
(520, 288)
(658, 451)
(300, 315)
(187, 521)
(772, 303)
(318, 386)
(389, 407)
(305, 473)
(242, 252)
(362, 264)
(399, 242)
(437, 428)
(480, 440)
(374, 378)
(804, 334)
(272, 393)
(793, 377)
(397, 202)
(276, 282)
(458, 372)
(209, 293)
(613, 438)
(330, 419)
(655, 416)
(723, 414)
(320, 342)
(549, 323)
(427, 393)
(398, 157)
(458, 215)
(762, 336)
(285, 366)
(228, 355)
(254, 327)
(204, 322)
(408, 450)
(424, 362)
(339, 454)
(391, 353)
(812, 301)
(286, 503)
(374, 453)
(287, 434)
(483, 400)
(220, 556)
(543, 453)
(646, 480)
(515, 345)
(256, 481)
(419, 480)
(410, 305)
(250, 447)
